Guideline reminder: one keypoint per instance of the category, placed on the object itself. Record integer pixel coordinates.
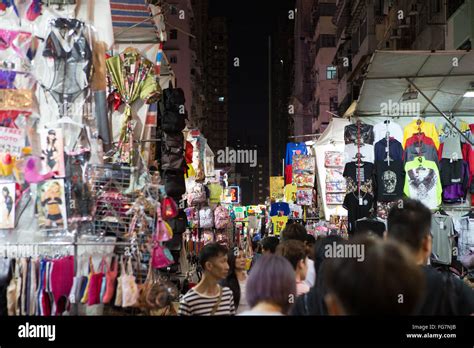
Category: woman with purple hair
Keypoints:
(271, 286)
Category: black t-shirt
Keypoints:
(445, 294)
(357, 208)
(365, 132)
(351, 173)
(389, 180)
(369, 226)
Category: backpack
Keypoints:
(173, 121)
(161, 257)
(197, 194)
(221, 217)
(206, 218)
(179, 223)
(169, 209)
(192, 216)
(172, 152)
(173, 98)
(172, 118)
(174, 183)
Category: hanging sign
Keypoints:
(12, 141)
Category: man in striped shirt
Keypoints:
(208, 297)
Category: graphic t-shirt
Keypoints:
(279, 224)
(283, 207)
(290, 193)
(357, 208)
(362, 133)
(294, 149)
(351, 151)
(389, 180)
(215, 192)
(351, 173)
(422, 182)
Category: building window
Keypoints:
(331, 73)
(174, 10)
(333, 103)
(173, 34)
(435, 6)
(221, 99)
(173, 59)
(328, 40)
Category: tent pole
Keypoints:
(442, 113)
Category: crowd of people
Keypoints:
(295, 275)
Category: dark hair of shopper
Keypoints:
(209, 252)
(310, 239)
(272, 280)
(293, 251)
(294, 231)
(409, 224)
(231, 280)
(319, 251)
(270, 243)
(386, 282)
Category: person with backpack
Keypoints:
(445, 294)
(208, 298)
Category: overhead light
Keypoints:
(470, 92)
(410, 94)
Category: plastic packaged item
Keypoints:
(333, 159)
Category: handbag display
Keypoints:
(129, 286)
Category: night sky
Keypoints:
(250, 23)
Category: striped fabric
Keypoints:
(194, 303)
(126, 13)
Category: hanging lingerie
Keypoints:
(78, 192)
(68, 47)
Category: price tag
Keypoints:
(441, 225)
(361, 201)
(132, 68)
(386, 149)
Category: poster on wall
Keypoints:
(51, 205)
(277, 184)
(52, 151)
(7, 205)
(12, 141)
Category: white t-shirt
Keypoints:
(351, 151)
(394, 130)
(243, 304)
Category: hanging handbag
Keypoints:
(129, 287)
(110, 280)
(163, 232)
(169, 209)
(119, 297)
(161, 257)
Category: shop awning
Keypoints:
(443, 77)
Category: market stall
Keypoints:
(411, 135)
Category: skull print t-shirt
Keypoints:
(389, 180)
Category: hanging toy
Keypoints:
(6, 165)
(32, 172)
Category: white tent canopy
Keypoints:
(444, 77)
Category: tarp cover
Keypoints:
(443, 76)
